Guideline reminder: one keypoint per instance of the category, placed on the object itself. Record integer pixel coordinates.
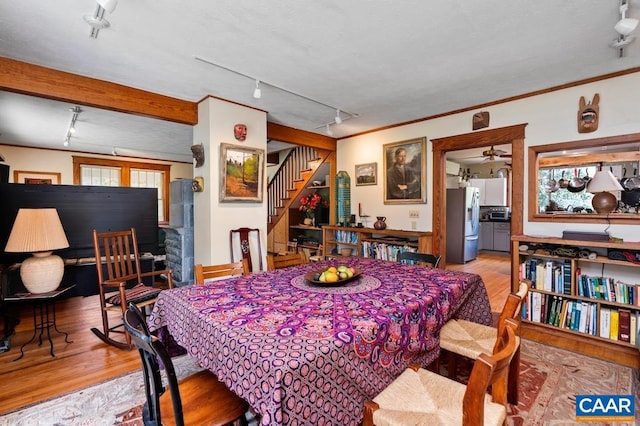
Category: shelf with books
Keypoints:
(580, 299)
(369, 242)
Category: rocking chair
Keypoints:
(121, 281)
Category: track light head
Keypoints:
(338, 119)
(329, 131)
(257, 93)
(108, 5)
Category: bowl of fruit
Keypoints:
(333, 275)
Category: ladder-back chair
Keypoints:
(246, 244)
(120, 281)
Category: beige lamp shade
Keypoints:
(604, 202)
(38, 231)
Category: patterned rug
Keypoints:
(549, 378)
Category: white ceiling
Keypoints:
(387, 62)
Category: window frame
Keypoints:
(125, 178)
(538, 158)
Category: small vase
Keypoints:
(308, 221)
(380, 223)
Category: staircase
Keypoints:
(292, 177)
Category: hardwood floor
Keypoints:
(87, 360)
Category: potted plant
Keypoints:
(308, 205)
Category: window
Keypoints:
(107, 172)
(619, 154)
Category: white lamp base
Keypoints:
(42, 272)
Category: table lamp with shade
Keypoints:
(604, 202)
(39, 231)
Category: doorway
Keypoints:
(513, 135)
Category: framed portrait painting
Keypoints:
(242, 173)
(405, 172)
(366, 174)
(46, 178)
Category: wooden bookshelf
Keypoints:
(337, 237)
(552, 325)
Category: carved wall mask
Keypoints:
(240, 132)
(588, 115)
(198, 154)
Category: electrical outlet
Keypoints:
(414, 213)
(413, 224)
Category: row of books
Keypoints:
(384, 251)
(346, 237)
(581, 316)
(549, 275)
(607, 288)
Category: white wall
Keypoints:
(551, 118)
(39, 160)
(213, 219)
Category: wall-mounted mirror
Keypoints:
(560, 175)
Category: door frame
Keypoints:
(513, 135)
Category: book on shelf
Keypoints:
(613, 325)
(563, 313)
(624, 325)
(566, 279)
(605, 322)
(633, 328)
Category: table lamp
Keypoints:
(38, 231)
(604, 202)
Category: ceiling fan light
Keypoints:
(626, 26)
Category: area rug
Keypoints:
(549, 379)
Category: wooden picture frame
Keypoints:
(47, 178)
(242, 173)
(408, 186)
(366, 174)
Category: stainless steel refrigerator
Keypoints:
(463, 224)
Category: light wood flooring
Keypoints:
(87, 360)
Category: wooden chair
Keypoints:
(120, 280)
(413, 257)
(246, 244)
(284, 260)
(470, 339)
(196, 400)
(420, 396)
(227, 270)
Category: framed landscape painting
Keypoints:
(366, 174)
(405, 172)
(242, 173)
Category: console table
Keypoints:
(44, 314)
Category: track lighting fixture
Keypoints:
(339, 117)
(257, 93)
(97, 21)
(624, 27)
(72, 125)
(329, 132)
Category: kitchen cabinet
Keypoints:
(486, 236)
(501, 236)
(495, 236)
(493, 191)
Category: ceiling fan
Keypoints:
(491, 153)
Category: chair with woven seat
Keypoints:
(284, 260)
(247, 244)
(196, 400)
(121, 280)
(470, 339)
(215, 272)
(420, 396)
(420, 258)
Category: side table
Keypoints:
(44, 314)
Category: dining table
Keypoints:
(304, 352)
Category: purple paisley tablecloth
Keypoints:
(301, 354)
